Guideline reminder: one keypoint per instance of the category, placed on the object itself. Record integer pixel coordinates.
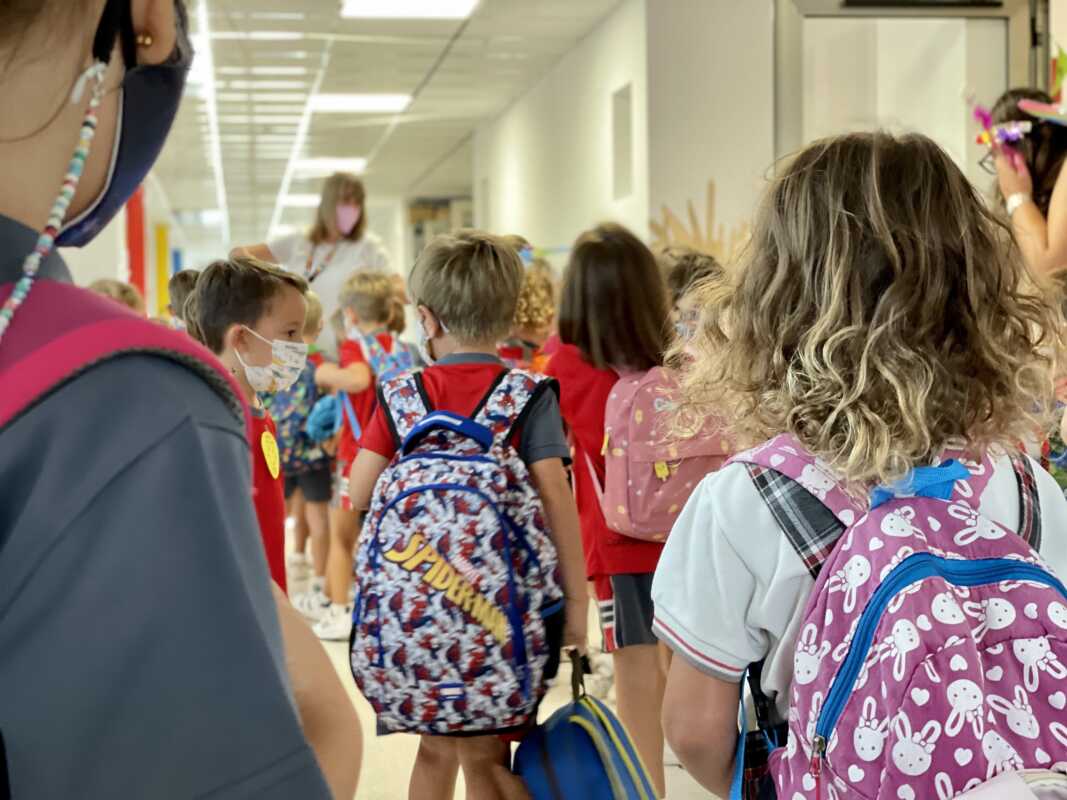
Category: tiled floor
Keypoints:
(387, 760)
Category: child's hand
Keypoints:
(1013, 175)
(576, 625)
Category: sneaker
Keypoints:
(312, 603)
(335, 624)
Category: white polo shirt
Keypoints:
(730, 589)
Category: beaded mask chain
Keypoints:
(47, 240)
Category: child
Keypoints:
(535, 316)
(124, 293)
(466, 287)
(882, 314)
(251, 315)
(366, 306)
(614, 316)
(307, 470)
(181, 285)
(398, 324)
(686, 269)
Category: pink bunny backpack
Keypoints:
(932, 655)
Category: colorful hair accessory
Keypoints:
(1013, 131)
(47, 240)
(1045, 112)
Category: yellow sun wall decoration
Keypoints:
(716, 240)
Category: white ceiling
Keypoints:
(460, 73)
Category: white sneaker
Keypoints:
(312, 603)
(335, 624)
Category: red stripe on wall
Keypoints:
(135, 239)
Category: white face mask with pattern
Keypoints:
(423, 342)
(287, 362)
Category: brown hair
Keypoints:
(313, 318)
(339, 188)
(881, 313)
(369, 295)
(125, 293)
(236, 291)
(613, 304)
(20, 19)
(179, 287)
(686, 267)
(537, 299)
(1044, 148)
(470, 280)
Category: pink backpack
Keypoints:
(650, 473)
(932, 656)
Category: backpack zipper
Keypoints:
(913, 568)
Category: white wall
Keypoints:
(904, 75)
(543, 168)
(711, 113)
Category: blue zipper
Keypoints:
(437, 455)
(912, 569)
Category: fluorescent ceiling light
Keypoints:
(328, 166)
(263, 70)
(208, 90)
(301, 200)
(261, 36)
(407, 9)
(247, 85)
(359, 103)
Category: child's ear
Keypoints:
(233, 339)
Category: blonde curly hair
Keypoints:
(880, 313)
(537, 298)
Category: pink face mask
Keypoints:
(347, 217)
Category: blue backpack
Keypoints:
(582, 752)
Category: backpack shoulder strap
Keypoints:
(405, 402)
(806, 500)
(1029, 500)
(509, 400)
(43, 350)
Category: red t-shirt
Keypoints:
(583, 395)
(449, 387)
(363, 403)
(269, 493)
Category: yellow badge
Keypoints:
(270, 453)
(662, 470)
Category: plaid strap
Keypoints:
(1029, 501)
(811, 528)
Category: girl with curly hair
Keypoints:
(882, 314)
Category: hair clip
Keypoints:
(1005, 133)
(1045, 112)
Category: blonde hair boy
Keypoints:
(470, 281)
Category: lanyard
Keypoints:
(312, 274)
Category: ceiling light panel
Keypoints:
(360, 103)
(328, 166)
(301, 200)
(407, 9)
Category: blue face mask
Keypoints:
(151, 94)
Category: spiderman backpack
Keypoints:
(458, 593)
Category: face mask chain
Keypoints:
(46, 241)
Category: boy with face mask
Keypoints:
(251, 315)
